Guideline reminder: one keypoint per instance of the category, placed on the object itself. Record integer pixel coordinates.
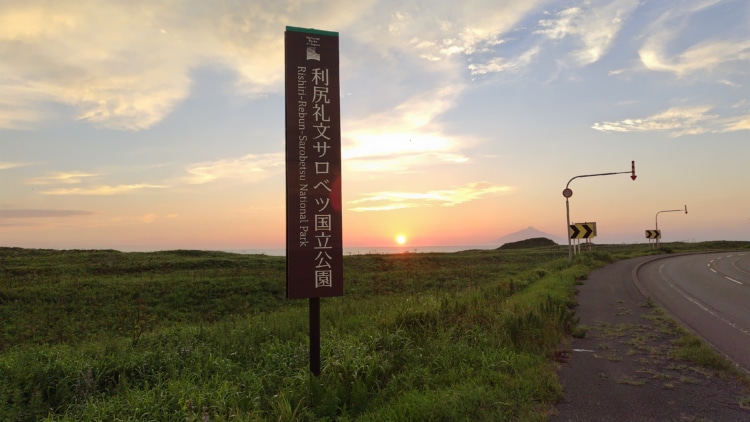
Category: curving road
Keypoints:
(708, 293)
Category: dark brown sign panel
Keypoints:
(314, 253)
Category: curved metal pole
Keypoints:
(567, 204)
(592, 175)
(657, 221)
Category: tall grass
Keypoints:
(188, 335)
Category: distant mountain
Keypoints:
(527, 233)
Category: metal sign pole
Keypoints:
(567, 230)
(315, 336)
(657, 222)
(567, 193)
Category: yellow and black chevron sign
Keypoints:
(582, 230)
(653, 234)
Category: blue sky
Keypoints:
(148, 125)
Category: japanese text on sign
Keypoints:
(314, 230)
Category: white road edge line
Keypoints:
(699, 304)
(731, 279)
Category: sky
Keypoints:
(159, 124)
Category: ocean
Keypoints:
(362, 250)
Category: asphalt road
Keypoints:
(709, 294)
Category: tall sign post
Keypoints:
(314, 252)
(657, 231)
(567, 193)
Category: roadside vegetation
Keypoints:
(209, 336)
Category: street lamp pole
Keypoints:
(657, 221)
(567, 193)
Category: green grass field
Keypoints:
(198, 336)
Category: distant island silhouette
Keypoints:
(537, 242)
(527, 233)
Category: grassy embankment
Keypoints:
(189, 335)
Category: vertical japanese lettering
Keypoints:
(314, 228)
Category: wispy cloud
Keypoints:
(14, 110)
(406, 137)
(705, 56)
(6, 165)
(249, 168)
(595, 25)
(17, 223)
(501, 64)
(148, 218)
(103, 190)
(42, 213)
(441, 31)
(675, 121)
(67, 178)
(679, 121)
(664, 49)
(393, 200)
(735, 124)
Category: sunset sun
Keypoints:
(401, 239)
